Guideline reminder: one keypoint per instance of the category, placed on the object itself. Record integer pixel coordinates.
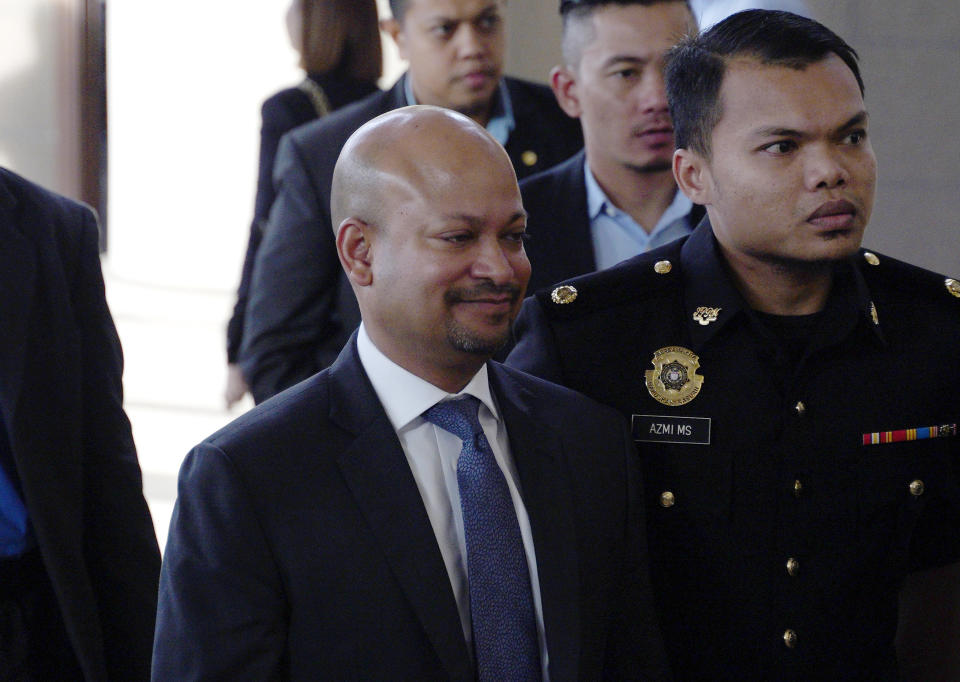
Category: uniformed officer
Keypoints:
(795, 398)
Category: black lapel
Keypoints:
(582, 257)
(18, 268)
(547, 495)
(396, 97)
(561, 245)
(379, 477)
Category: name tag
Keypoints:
(653, 428)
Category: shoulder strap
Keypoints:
(316, 95)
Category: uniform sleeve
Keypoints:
(221, 612)
(535, 351)
(294, 282)
(120, 545)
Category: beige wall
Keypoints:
(910, 57)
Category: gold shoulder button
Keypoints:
(529, 158)
(871, 258)
(953, 286)
(564, 294)
(662, 267)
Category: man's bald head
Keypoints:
(407, 150)
(430, 228)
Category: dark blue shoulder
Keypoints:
(642, 277)
(563, 174)
(528, 90)
(903, 283)
(339, 125)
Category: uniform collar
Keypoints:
(712, 301)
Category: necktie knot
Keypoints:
(459, 417)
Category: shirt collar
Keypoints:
(597, 202)
(501, 122)
(404, 395)
(708, 284)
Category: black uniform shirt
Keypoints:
(778, 539)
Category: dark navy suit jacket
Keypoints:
(300, 547)
(301, 308)
(69, 441)
(281, 113)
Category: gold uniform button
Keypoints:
(917, 488)
(797, 489)
(667, 499)
(564, 294)
(793, 566)
(790, 639)
(953, 286)
(662, 267)
(871, 258)
(800, 407)
(529, 158)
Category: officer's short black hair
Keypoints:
(696, 66)
(575, 12)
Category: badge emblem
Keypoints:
(674, 380)
(953, 286)
(564, 294)
(705, 315)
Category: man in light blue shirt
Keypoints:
(617, 198)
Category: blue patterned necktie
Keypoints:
(501, 600)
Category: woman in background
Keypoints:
(339, 46)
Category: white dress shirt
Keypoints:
(432, 454)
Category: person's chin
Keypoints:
(474, 101)
(478, 341)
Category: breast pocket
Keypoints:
(897, 481)
(686, 484)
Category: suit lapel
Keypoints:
(582, 259)
(544, 479)
(17, 280)
(379, 477)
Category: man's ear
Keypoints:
(563, 82)
(394, 29)
(692, 173)
(353, 248)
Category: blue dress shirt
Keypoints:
(617, 236)
(15, 535)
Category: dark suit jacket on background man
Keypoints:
(69, 444)
(301, 309)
